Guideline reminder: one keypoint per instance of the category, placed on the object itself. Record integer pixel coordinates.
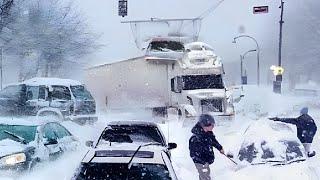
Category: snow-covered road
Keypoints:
(257, 104)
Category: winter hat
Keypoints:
(206, 120)
(304, 110)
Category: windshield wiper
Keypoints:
(131, 159)
(20, 139)
(142, 145)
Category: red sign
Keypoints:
(260, 9)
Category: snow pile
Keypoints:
(261, 101)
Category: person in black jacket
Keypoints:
(306, 128)
(201, 145)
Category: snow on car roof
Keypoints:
(51, 81)
(266, 129)
(198, 44)
(156, 150)
(133, 122)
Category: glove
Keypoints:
(222, 151)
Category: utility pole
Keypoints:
(280, 33)
(278, 81)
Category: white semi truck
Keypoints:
(189, 81)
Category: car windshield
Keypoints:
(271, 152)
(132, 133)
(117, 171)
(28, 133)
(166, 46)
(80, 92)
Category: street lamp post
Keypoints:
(243, 78)
(258, 53)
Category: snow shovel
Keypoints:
(238, 166)
(229, 157)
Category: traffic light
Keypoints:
(123, 8)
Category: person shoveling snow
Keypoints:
(201, 145)
(306, 128)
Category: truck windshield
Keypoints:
(80, 92)
(99, 171)
(192, 82)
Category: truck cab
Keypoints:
(197, 85)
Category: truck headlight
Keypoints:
(13, 159)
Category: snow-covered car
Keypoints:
(271, 150)
(126, 162)
(165, 47)
(133, 132)
(23, 144)
(61, 98)
(199, 54)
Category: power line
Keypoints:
(210, 10)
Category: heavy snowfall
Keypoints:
(118, 89)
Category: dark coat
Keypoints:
(306, 128)
(201, 145)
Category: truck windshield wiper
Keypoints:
(19, 138)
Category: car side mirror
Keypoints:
(241, 95)
(50, 142)
(89, 143)
(172, 146)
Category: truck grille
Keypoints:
(211, 105)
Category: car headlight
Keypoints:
(13, 159)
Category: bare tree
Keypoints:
(46, 33)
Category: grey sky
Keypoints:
(218, 29)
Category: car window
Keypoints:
(81, 93)
(61, 93)
(278, 151)
(32, 92)
(127, 133)
(166, 46)
(61, 131)
(42, 92)
(48, 132)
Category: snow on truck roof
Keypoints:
(51, 81)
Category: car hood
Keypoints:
(8, 146)
(266, 172)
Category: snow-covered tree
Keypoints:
(46, 33)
